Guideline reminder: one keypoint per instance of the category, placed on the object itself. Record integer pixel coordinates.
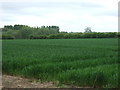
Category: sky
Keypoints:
(69, 15)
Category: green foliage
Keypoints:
(5, 36)
(8, 27)
(100, 76)
(73, 35)
(56, 36)
(19, 27)
(38, 37)
(118, 34)
(24, 31)
(52, 32)
(82, 35)
(82, 62)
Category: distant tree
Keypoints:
(55, 28)
(19, 27)
(63, 32)
(88, 30)
(25, 32)
(51, 32)
(42, 26)
(8, 26)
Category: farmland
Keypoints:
(80, 62)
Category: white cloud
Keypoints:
(70, 15)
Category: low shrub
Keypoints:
(8, 36)
(38, 37)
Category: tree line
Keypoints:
(50, 32)
(24, 31)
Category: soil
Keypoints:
(9, 81)
(20, 82)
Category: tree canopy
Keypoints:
(50, 32)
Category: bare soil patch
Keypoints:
(9, 81)
(20, 82)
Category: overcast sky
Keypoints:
(69, 15)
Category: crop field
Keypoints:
(79, 62)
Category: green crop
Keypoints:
(81, 62)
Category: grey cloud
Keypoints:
(16, 6)
(12, 9)
(91, 5)
(106, 13)
(7, 19)
(20, 8)
(115, 14)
